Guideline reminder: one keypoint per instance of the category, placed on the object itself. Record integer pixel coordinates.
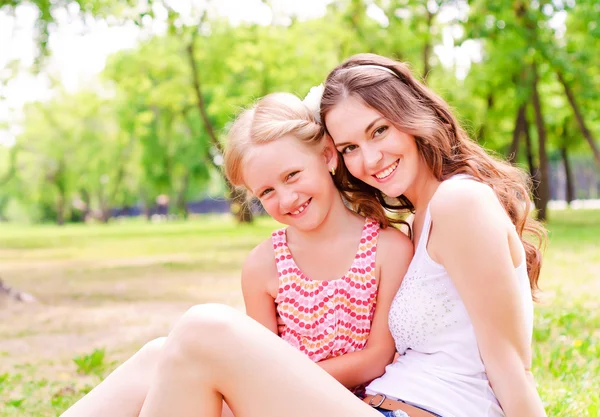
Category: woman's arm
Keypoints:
(394, 252)
(472, 242)
(258, 274)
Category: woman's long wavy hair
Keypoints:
(444, 146)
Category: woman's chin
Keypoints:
(394, 190)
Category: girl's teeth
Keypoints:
(387, 172)
(301, 209)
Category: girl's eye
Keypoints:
(265, 193)
(349, 149)
(380, 131)
(291, 175)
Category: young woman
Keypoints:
(462, 319)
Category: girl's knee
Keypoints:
(153, 348)
(206, 327)
(209, 318)
(148, 356)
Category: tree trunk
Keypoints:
(238, 198)
(240, 210)
(481, 132)
(579, 117)
(60, 208)
(544, 186)
(12, 169)
(240, 205)
(104, 204)
(427, 48)
(519, 130)
(180, 203)
(106, 213)
(534, 172)
(60, 182)
(118, 180)
(570, 188)
(147, 208)
(4, 200)
(200, 98)
(85, 197)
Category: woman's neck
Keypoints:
(422, 190)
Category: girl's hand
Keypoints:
(280, 325)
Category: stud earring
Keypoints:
(332, 170)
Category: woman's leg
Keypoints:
(123, 392)
(237, 359)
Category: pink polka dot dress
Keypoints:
(325, 319)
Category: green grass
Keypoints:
(567, 327)
(106, 289)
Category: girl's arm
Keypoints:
(394, 252)
(472, 233)
(259, 273)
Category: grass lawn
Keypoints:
(105, 290)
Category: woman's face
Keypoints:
(374, 151)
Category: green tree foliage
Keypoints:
(155, 124)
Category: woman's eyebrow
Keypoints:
(369, 126)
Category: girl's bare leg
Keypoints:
(238, 360)
(123, 392)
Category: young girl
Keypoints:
(323, 275)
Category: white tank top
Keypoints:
(440, 368)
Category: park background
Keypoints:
(114, 213)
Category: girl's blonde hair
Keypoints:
(272, 117)
(390, 88)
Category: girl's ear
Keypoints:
(330, 153)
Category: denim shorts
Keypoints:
(388, 413)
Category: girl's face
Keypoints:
(292, 181)
(374, 151)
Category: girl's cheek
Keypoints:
(270, 207)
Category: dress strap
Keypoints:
(424, 238)
(461, 177)
(283, 257)
(368, 242)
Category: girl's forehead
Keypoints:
(280, 148)
(267, 161)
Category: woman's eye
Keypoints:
(291, 175)
(380, 131)
(349, 149)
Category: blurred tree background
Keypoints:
(146, 133)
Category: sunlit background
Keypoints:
(114, 213)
